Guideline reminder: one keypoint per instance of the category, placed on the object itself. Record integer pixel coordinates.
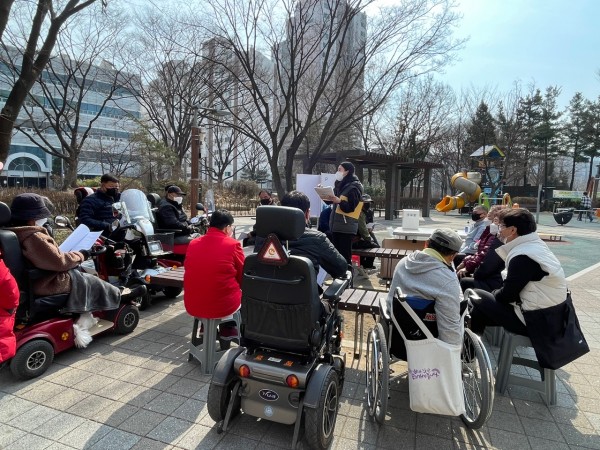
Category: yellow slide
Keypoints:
(468, 183)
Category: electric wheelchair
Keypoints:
(385, 346)
(289, 367)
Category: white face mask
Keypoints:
(339, 176)
(178, 200)
(41, 222)
(493, 228)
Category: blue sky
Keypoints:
(549, 42)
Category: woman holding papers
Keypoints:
(28, 213)
(347, 207)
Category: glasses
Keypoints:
(502, 226)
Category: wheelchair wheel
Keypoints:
(320, 422)
(378, 373)
(478, 381)
(218, 400)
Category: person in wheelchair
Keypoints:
(170, 215)
(96, 211)
(312, 244)
(87, 292)
(429, 275)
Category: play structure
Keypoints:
(468, 183)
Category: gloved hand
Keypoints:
(85, 253)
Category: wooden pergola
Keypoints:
(392, 165)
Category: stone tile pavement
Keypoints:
(139, 392)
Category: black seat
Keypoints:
(30, 307)
(281, 307)
(153, 199)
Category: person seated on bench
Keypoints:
(312, 244)
(9, 300)
(428, 274)
(534, 277)
(89, 293)
(212, 279)
(483, 270)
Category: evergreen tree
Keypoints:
(574, 130)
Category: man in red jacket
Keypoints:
(9, 300)
(213, 271)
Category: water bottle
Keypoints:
(468, 227)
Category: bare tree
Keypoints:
(323, 71)
(79, 89)
(37, 51)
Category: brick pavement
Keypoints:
(139, 391)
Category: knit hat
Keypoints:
(29, 206)
(175, 189)
(447, 238)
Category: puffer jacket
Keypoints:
(549, 290)
(350, 192)
(170, 216)
(423, 275)
(96, 211)
(43, 253)
(9, 300)
(315, 246)
(472, 262)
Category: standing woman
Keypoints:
(346, 209)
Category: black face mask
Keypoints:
(112, 192)
(265, 201)
(475, 216)
(366, 206)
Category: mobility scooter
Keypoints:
(289, 367)
(41, 329)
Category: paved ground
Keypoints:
(139, 391)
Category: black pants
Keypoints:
(343, 244)
(489, 312)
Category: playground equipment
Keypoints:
(468, 183)
(506, 200)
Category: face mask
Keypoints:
(475, 216)
(112, 192)
(366, 206)
(41, 222)
(178, 200)
(339, 176)
(493, 228)
(265, 201)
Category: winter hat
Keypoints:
(447, 238)
(29, 206)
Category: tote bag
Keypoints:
(434, 372)
(555, 334)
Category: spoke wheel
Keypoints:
(378, 373)
(478, 381)
(320, 422)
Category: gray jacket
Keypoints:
(422, 275)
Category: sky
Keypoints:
(548, 42)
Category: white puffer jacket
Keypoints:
(551, 289)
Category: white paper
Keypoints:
(321, 276)
(80, 239)
(370, 226)
(324, 191)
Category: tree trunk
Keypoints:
(70, 179)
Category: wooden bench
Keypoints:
(550, 237)
(360, 301)
(379, 211)
(173, 277)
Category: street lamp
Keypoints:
(197, 138)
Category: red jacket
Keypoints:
(9, 300)
(213, 275)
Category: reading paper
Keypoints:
(80, 239)
(324, 192)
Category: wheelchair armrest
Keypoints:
(169, 230)
(35, 274)
(339, 285)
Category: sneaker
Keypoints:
(138, 291)
(228, 332)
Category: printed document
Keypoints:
(80, 239)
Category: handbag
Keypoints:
(555, 334)
(434, 371)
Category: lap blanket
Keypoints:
(90, 293)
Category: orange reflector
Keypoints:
(147, 278)
(292, 381)
(244, 371)
(64, 336)
(341, 334)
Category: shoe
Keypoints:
(228, 332)
(138, 291)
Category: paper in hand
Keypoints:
(80, 239)
(324, 192)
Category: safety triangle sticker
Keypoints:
(272, 254)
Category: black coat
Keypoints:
(96, 211)
(488, 275)
(170, 216)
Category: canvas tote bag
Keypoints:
(434, 372)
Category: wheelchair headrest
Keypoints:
(82, 192)
(285, 222)
(4, 214)
(153, 198)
